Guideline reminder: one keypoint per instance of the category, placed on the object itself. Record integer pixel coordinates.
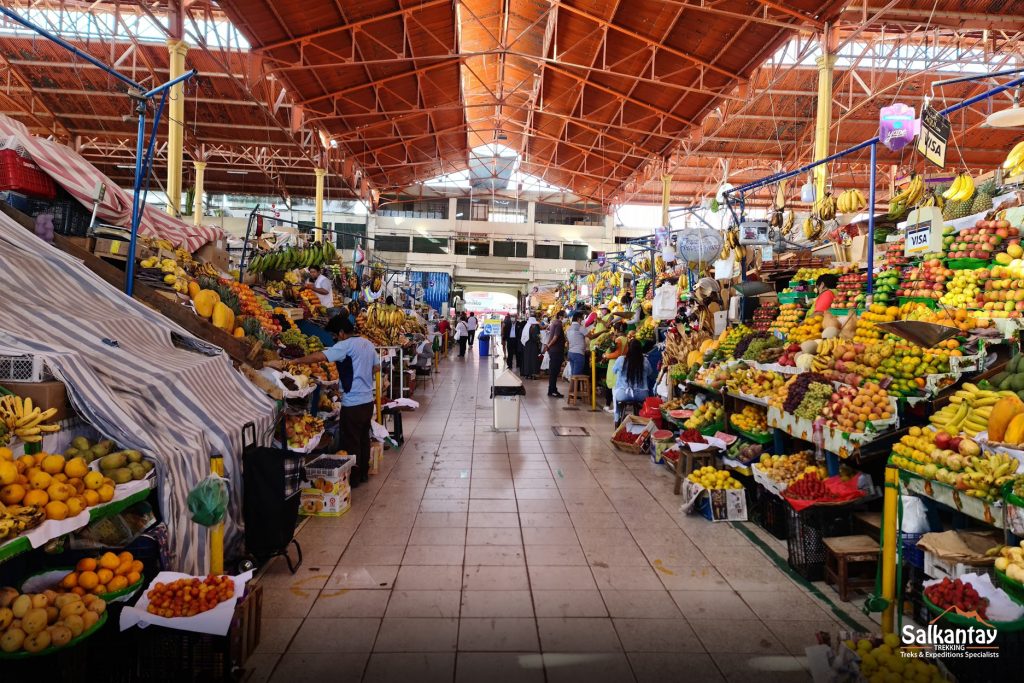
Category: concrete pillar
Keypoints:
(666, 196)
(318, 233)
(531, 213)
(177, 50)
(823, 119)
(197, 201)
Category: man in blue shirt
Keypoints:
(358, 362)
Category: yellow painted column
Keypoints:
(666, 195)
(197, 201)
(217, 530)
(890, 537)
(593, 379)
(823, 120)
(177, 50)
(318, 234)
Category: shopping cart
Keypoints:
(270, 502)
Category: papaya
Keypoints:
(223, 317)
(205, 301)
(1015, 431)
(1003, 412)
(193, 288)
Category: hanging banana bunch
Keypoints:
(825, 207)
(933, 198)
(813, 227)
(908, 198)
(851, 201)
(780, 195)
(789, 223)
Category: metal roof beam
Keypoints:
(800, 16)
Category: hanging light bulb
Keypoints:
(629, 251)
(807, 192)
(1008, 118)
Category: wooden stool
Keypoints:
(840, 553)
(869, 522)
(579, 389)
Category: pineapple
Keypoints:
(963, 209)
(983, 199)
(949, 208)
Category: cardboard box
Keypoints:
(87, 243)
(215, 255)
(114, 249)
(376, 456)
(325, 490)
(46, 395)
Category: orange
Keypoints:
(40, 480)
(27, 461)
(77, 484)
(69, 581)
(56, 510)
(61, 477)
(106, 493)
(86, 564)
(91, 497)
(75, 506)
(59, 491)
(8, 472)
(125, 556)
(100, 590)
(53, 464)
(78, 590)
(6, 453)
(76, 467)
(12, 494)
(93, 480)
(39, 457)
(35, 497)
(109, 560)
(105, 575)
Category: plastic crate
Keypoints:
(938, 568)
(770, 513)
(70, 218)
(912, 555)
(19, 201)
(23, 175)
(807, 531)
(25, 368)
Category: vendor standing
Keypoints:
(824, 286)
(321, 285)
(357, 383)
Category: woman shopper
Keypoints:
(530, 339)
(632, 377)
(462, 335)
(358, 363)
(577, 338)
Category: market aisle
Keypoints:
(527, 557)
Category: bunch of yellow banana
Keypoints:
(789, 222)
(912, 194)
(984, 475)
(641, 267)
(931, 198)
(813, 227)
(25, 420)
(780, 195)
(851, 201)
(825, 207)
(1014, 164)
(961, 189)
(15, 519)
(731, 244)
(968, 410)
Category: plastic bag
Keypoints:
(665, 303)
(208, 501)
(546, 362)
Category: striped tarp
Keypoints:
(138, 378)
(80, 178)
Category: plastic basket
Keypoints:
(770, 512)
(793, 297)
(967, 263)
(20, 174)
(912, 555)
(25, 368)
(70, 218)
(930, 303)
(807, 532)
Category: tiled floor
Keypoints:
(479, 556)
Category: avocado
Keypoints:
(113, 461)
(998, 379)
(122, 475)
(1017, 382)
(80, 443)
(137, 470)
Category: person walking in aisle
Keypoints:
(577, 338)
(358, 363)
(556, 353)
(471, 324)
(510, 339)
(632, 377)
(462, 335)
(530, 339)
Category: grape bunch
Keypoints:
(799, 387)
(741, 346)
(817, 396)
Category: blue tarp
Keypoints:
(436, 287)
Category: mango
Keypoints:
(122, 475)
(81, 443)
(113, 461)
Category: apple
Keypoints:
(942, 440)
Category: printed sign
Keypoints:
(924, 231)
(934, 136)
(896, 126)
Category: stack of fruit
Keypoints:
(708, 414)
(19, 418)
(764, 315)
(973, 410)
(906, 366)
(784, 469)
(926, 281)
(34, 622)
(753, 382)
(812, 274)
(895, 258)
(851, 291)
(1011, 560)
(789, 317)
(189, 597)
(711, 478)
(885, 286)
(108, 573)
(1010, 379)
(292, 257)
(382, 324)
(811, 328)
(955, 594)
(125, 466)
(752, 420)
(852, 409)
(1003, 294)
(964, 289)
(959, 198)
(982, 241)
(763, 348)
(729, 339)
(810, 486)
(60, 488)
(302, 429)
(866, 331)
(298, 344)
(887, 661)
(807, 394)
(324, 372)
(744, 452)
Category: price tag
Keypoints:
(917, 238)
(934, 136)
